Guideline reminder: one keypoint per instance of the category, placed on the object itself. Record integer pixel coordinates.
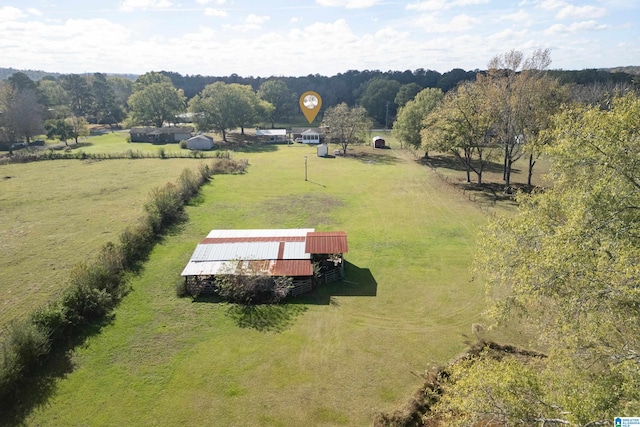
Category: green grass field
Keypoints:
(58, 213)
(335, 357)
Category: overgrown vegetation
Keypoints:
(94, 287)
(568, 265)
(42, 155)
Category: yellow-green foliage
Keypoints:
(569, 261)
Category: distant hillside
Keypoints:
(630, 69)
(36, 75)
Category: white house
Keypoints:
(310, 136)
(200, 142)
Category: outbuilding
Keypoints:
(378, 142)
(306, 256)
(160, 135)
(200, 142)
(273, 135)
(323, 150)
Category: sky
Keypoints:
(266, 38)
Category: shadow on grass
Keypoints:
(82, 144)
(35, 389)
(246, 144)
(450, 162)
(372, 158)
(265, 317)
(358, 282)
(279, 317)
(492, 192)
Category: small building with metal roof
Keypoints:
(307, 256)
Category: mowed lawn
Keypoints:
(335, 357)
(56, 214)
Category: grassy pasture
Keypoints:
(57, 213)
(334, 357)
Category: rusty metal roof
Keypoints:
(327, 242)
(279, 252)
(286, 267)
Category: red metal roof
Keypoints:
(326, 242)
(291, 267)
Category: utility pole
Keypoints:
(386, 117)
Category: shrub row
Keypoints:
(95, 288)
(36, 156)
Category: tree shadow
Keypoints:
(492, 192)
(452, 163)
(36, 389)
(246, 144)
(372, 158)
(265, 317)
(278, 317)
(358, 282)
(80, 145)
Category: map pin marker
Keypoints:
(310, 103)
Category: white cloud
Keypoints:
(257, 20)
(434, 24)
(580, 12)
(215, 12)
(435, 5)
(10, 13)
(348, 4)
(519, 16)
(575, 27)
(217, 2)
(553, 4)
(129, 5)
(34, 11)
(251, 23)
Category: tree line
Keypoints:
(500, 117)
(68, 103)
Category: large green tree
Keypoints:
(250, 108)
(523, 97)
(220, 107)
(104, 108)
(378, 99)
(277, 93)
(78, 92)
(21, 115)
(411, 116)
(406, 93)
(346, 126)
(156, 104)
(462, 125)
(567, 265)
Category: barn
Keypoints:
(200, 142)
(307, 256)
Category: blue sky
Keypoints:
(295, 38)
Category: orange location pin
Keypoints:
(310, 103)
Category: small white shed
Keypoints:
(200, 142)
(323, 150)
